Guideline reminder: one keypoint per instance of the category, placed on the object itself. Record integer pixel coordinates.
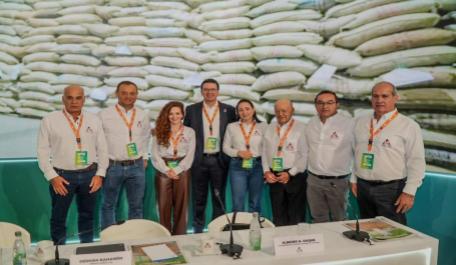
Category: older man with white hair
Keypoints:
(284, 159)
(73, 156)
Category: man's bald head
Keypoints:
(73, 99)
(283, 109)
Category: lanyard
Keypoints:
(175, 141)
(210, 120)
(283, 138)
(247, 136)
(76, 132)
(373, 133)
(129, 124)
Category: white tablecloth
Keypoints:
(418, 249)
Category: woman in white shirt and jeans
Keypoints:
(173, 149)
(243, 142)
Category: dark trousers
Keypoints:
(210, 171)
(172, 196)
(377, 199)
(289, 201)
(85, 201)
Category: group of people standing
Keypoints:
(381, 155)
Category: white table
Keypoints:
(418, 249)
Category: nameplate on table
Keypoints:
(292, 245)
(108, 258)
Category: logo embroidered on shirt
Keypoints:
(89, 130)
(290, 147)
(256, 132)
(386, 143)
(139, 124)
(334, 135)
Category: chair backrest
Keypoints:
(219, 223)
(7, 236)
(134, 229)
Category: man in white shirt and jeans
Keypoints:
(127, 131)
(73, 156)
(331, 147)
(389, 158)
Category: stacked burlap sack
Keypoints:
(257, 49)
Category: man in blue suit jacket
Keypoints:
(209, 120)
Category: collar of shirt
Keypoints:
(284, 125)
(212, 108)
(125, 111)
(329, 120)
(71, 116)
(383, 118)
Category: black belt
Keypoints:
(211, 154)
(277, 172)
(92, 167)
(124, 163)
(330, 177)
(258, 158)
(380, 182)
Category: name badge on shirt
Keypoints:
(81, 158)
(211, 143)
(132, 150)
(247, 163)
(367, 161)
(277, 164)
(172, 164)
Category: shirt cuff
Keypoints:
(178, 170)
(410, 189)
(293, 171)
(51, 174)
(101, 173)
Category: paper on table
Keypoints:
(159, 252)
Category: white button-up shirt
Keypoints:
(234, 140)
(398, 151)
(116, 132)
(57, 144)
(185, 148)
(331, 145)
(215, 127)
(294, 148)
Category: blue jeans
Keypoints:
(246, 180)
(117, 176)
(79, 186)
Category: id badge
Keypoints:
(132, 150)
(367, 161)
(81, 158)
(277, 164)
(247, 163)
(172, 164)
(211, 143)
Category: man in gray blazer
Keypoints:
(209, 119)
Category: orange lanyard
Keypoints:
(129, 124)
(210, 120)
(76, 132)
(247, 136)
(373, 133)
(283, 138)
(175, 141)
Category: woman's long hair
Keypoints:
(163, 126)
(255, 117)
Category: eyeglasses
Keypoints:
(322, 103)
(210, 90)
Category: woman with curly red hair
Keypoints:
(173, 149)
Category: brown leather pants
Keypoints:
(172, 196)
